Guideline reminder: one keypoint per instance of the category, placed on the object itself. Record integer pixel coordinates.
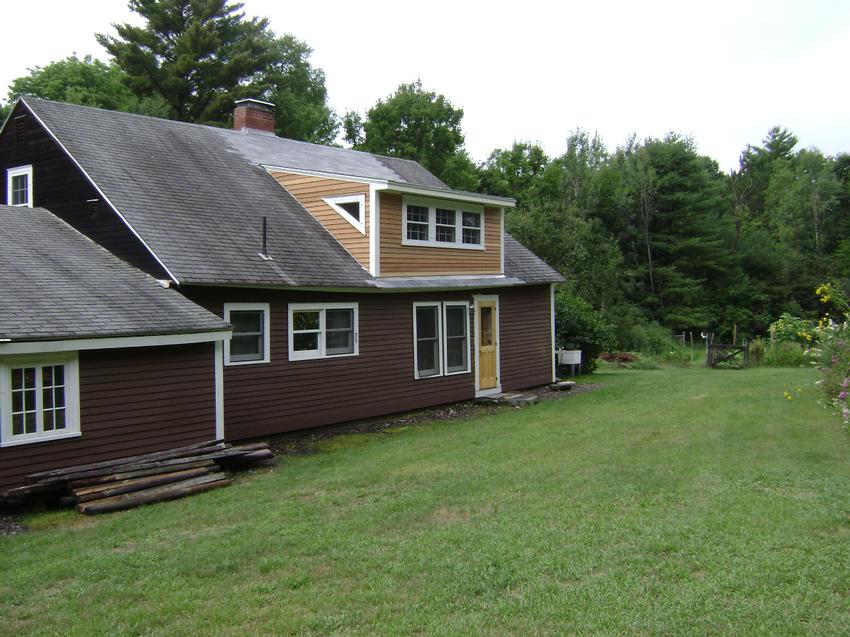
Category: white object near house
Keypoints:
(569, 357)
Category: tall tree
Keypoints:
(413, 123)
(84, 81)
(195, 54)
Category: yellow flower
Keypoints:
(787, 395)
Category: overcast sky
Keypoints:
(722, 72)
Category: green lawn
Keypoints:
(668, 502)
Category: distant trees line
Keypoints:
(649, 232)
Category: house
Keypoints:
(356, 285)
(97, 359)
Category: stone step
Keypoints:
(514, 399)
(564, 385)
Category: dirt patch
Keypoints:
(301, 443)
(444, 517)
(10, 525)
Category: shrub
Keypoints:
(579, 326)
(757, 351)
(787, 354)
(791, 329)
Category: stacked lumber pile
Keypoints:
(115, 485)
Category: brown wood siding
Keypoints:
(283, 396)
(525, 335)
(309, 192)
(402, 260)
(59, 186)
(131, 401)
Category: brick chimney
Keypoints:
(253, 115)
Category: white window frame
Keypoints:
(442, 357)
(72, 399)
(250, 307)
(11, 173)
(465, 306)
(322, 331)
(432, 205)
(334, 202)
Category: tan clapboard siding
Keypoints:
(402, 260)
(309, 192)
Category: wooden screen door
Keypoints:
(488, 364)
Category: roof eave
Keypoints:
(454, 195)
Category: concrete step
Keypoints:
(514, 399)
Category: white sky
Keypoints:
(722, 71)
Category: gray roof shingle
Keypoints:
(58, 284)
(197, 195)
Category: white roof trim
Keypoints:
(73, 345)
(402, 187)
(100, 192)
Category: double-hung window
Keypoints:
(19, 186)
(442, 224)
(250, 340)
(440, 338)
(39, 400)
(323, 330)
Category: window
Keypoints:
(417, 223)
(440, 338)
(19, 186)
(442, 224)
(322, 330)
(39, 400)
(352, 208)
(250, 341)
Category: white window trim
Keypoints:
(17, 172)
(321, 307)
(432, 205)
(438, 306)
(72, 400)
(442, 361)
(465, 306)
(333, 202)
(261, 307)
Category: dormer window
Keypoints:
(442, 224)
(19, 186)
(352, 208)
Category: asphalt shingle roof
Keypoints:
(56, 283)
(197, 195)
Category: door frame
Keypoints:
(477, 298)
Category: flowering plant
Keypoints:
(832, 354)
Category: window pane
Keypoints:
(47, 376)
(59, 375)
(305, 320)
(246, 321)
(445, 217)
(417, 213)
(486, 326)
(20, 188)
(17, 378)
(17, 424)
(456, 352)
(59, 422)
(471, 220)
(472, 236)
(339, 319)
(446, 234)
(246, 347)
(455, 321)
(427, 354)
(352, 208)
(305, 342)
(29, 400)
(47, 398)
(417, 231)
(29, 422)
(339, 342)
(426, 322)
(17, 401)
(59, 397)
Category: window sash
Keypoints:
(249, 343)
(19, 186)
(446, 350)
(330, 338)
(38, 400)
(442, 224)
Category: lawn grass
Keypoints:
(678, 501)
